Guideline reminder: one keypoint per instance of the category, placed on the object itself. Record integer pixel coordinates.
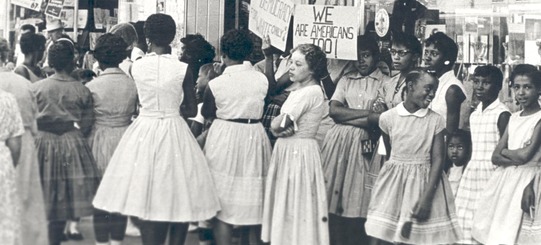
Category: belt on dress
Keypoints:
(58, 128)
(242, 120)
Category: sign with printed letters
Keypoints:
(333, 28)
(271, 17)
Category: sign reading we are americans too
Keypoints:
(333, 28)
(271, 17)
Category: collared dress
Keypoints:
(158, 172)
(68, 172)
(344, 166)
(115, 101)
(11, 125)
(485, 137)
(403, 179)
(295, 210)
(33, 216)
(498, 217)
(239, 154)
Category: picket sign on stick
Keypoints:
(333, 28)
(271, 17)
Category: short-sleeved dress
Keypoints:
(68, 172)
(344, 165)
(239, 153)
(498, 217)
(403, 179)
(115, 101)
(11, 125)
(295, 209)
(33, 216)
(158, 172)
(485, 137)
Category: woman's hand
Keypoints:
(379, 106)
(266, 46)
(528, 198)
(284, 133)
(421, 210)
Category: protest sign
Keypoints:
(29, 4)
(54, 8)
(271, 17)
(333, 28)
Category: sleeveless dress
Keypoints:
(403, 179)
(115, 100)
(485, 137)
(33, 216)
(238, 154)
(11, 125)
(498, 217)
(295, 209)
(158, 171)
(344, 165)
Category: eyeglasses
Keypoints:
(400, 53)
(433, 53)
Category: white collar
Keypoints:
(246, 65)
(401, 110)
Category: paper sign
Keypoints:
(29, 4)
(333, 28)
(271, 18)
(82, 17)
(66, 15)
(54, 8)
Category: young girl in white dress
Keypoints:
(295, 207)
(411, 189)
(498, 218)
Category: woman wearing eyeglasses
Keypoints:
(405, 53)
(440, 57)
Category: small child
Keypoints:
(459, 147)
(412, 201)
(498, 218)
(206, 73)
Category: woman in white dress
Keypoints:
(237, 147)
(158, 172)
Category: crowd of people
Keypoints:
(290, 150)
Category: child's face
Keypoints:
(457, 151)
(525, 91)
(484, 89)
(202, 81)
(422, 92)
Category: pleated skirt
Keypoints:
(103, 141)
(33, 217)
(68, 173)
(238, 155)
(345, 169)
(399, 186)
(158, 172)
(295, 209)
